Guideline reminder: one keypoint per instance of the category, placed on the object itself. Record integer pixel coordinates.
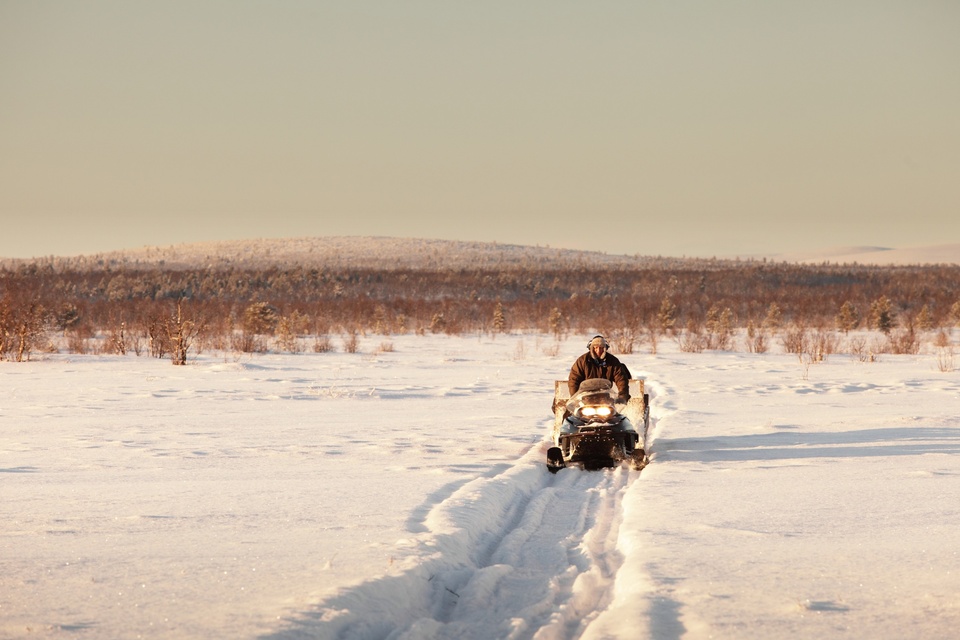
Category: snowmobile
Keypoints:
(592, 431)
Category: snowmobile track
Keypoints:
(524, 554)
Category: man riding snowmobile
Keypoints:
(594, 414)
(593, 432)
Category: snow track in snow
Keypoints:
(522, 554)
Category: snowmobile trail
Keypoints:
(524, 554)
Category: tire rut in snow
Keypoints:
(525, 554)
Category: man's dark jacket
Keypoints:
(610, 368)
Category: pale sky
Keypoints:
(680, 127)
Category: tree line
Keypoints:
(151, 310)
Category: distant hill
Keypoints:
(936, 254)
(338, 252)
(350, 252)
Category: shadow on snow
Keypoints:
(863, 443)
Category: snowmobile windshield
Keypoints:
(594, 400)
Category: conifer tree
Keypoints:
(882, 316)
(499, 322)
(848, 318)
(667, 315)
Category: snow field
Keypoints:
(403, 495)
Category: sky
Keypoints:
(750, 127)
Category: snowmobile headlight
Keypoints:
(591, 412)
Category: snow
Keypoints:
(402, 494)
(343, 252)
(900, 256)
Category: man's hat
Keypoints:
(606, 345)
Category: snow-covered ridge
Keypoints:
(374, 252)
(347, 252)
(934, 254)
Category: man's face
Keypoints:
(596, 348)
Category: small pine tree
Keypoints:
(260, 318)
(882, 317)
(924, 319)
(667, 315)
(774, 318)
(849, 318)
(556, 322)
(713, 318)
(955, 313)
(719, 326)
(499, 322)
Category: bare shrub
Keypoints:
(945, 359)
(691, 340)
(181, 332)
(520, 351)
(380, 323)
(246, 342)
(858, 348)
(323, 344)
(67, 317)
(217, 334)
(385, 347)
(136, 342)
(77, 339)
(794, 340)
(157, 337)
(22, 327)
(351, 343)
(806, 360)
(822, 344)
(756, 340)
(77, 343)
(904, 342)
(551, 350)
(652, 336)
(438, 323)
(623, 340)
(117, 340)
